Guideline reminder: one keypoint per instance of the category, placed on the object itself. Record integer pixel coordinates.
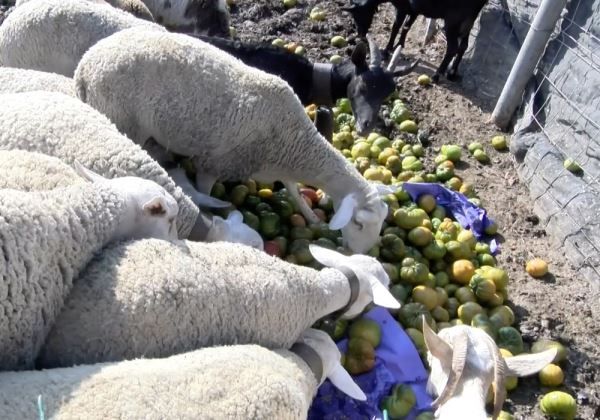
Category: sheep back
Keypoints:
(155, 298)
(236, 382)
(57, 125)
(52, 35)
(46, 238)
(14, 80)
(30, 171)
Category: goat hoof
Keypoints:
(453, 77)
(435, 78)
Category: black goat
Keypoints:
(459, 17)
(366, 84)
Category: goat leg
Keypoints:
(462, 47)
(400, 17)
(406, 27)
(451, 49)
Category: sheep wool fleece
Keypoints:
(53, 35)
(237, 382)
(14, 80)
(154, 298)
(57, 125)
(197, 100)
(30, 171)
(46, 238)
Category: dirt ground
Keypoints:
(560, 306)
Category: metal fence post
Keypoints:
(529, 56)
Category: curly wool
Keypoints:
(237, 382)
(241, 123)
(13, 80)
(53, 35)
(154, 298)
(46, 238)
(57, 125)
(30, 171)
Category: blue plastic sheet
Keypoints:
(466, 213)
(397, 361)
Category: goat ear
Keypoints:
(436, 346)
(344, 213)
(404, 70)
(528, 364)
(325, 256)
(87, 173)
(359, 56)
(156, 206)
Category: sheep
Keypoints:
(152, 298)
(241, 122)
(464, 362)
(36, 36)
(30, 171)
(135, 7)
(366, 84)
(47, 237)
(232, 382)
(14, 80)
(208, 17)
(458, 15)
(57, 125)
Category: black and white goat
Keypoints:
(458, 15)
(365, 83)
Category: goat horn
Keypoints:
(404, 70)
(395, 58)
(459, 358)
(374, 53)
(499, 377)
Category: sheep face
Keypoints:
(464, 362)
(360, 222)
(151, 211)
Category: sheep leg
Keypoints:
(451, 49)
(305, 209)
(198, 197)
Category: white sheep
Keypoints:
(229, 382)
(153, 298)
(14, 80)
(207, 17)
(236, 121)
(135, 7)
(465, 362)
(57, 125)
(52, 35)
(30, 171)
(49, 236)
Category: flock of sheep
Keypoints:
(116, 278)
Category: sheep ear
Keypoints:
(383, 189)
(342, 380)
(344, 213)
(436, 346)
(235, 217)
(382, 296)
(87, 173)
(325, 256)
(156, 206)
(528, 364)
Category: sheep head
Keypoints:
(372, 278)
(150, 211)
(461, 352)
